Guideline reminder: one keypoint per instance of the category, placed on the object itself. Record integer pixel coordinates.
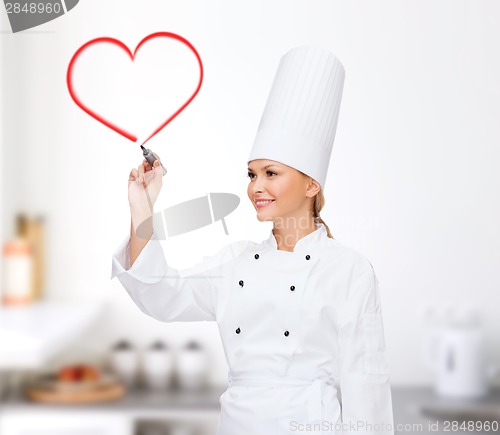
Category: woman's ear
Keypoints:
(313, 188)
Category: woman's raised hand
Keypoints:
(144, 185)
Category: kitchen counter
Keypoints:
(420, 410)
(131, 415)
(407, 402)
(136, 401)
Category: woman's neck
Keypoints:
(288, 235)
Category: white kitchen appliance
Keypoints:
(456, 353)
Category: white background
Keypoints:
(412, 181)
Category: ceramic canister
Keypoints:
(125, 362)
(158, 366)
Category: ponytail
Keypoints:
(319, 202)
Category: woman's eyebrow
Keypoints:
(265, 167)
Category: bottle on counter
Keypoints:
(31, 229)
(17, 272)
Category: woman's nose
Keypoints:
(258, 185)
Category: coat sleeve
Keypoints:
(165, 293)
(364, 372)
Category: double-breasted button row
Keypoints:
(257, 256)
(286, 333)
(242, 283)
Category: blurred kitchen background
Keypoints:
(413, 185)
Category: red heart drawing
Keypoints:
(120, 44)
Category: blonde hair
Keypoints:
(319, 202)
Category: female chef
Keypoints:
(299, 314)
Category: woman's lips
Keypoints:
(261, 203)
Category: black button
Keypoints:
(241, 283)
(292, 288)
(256, 256)
(308, 257)
(238, 331)
(286, 333)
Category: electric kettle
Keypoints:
(456, 353)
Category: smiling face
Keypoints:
(279, 192)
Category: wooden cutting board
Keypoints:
(100, 393)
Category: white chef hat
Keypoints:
(300, 118)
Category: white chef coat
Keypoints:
(296, 328)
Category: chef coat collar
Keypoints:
(302, 244)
